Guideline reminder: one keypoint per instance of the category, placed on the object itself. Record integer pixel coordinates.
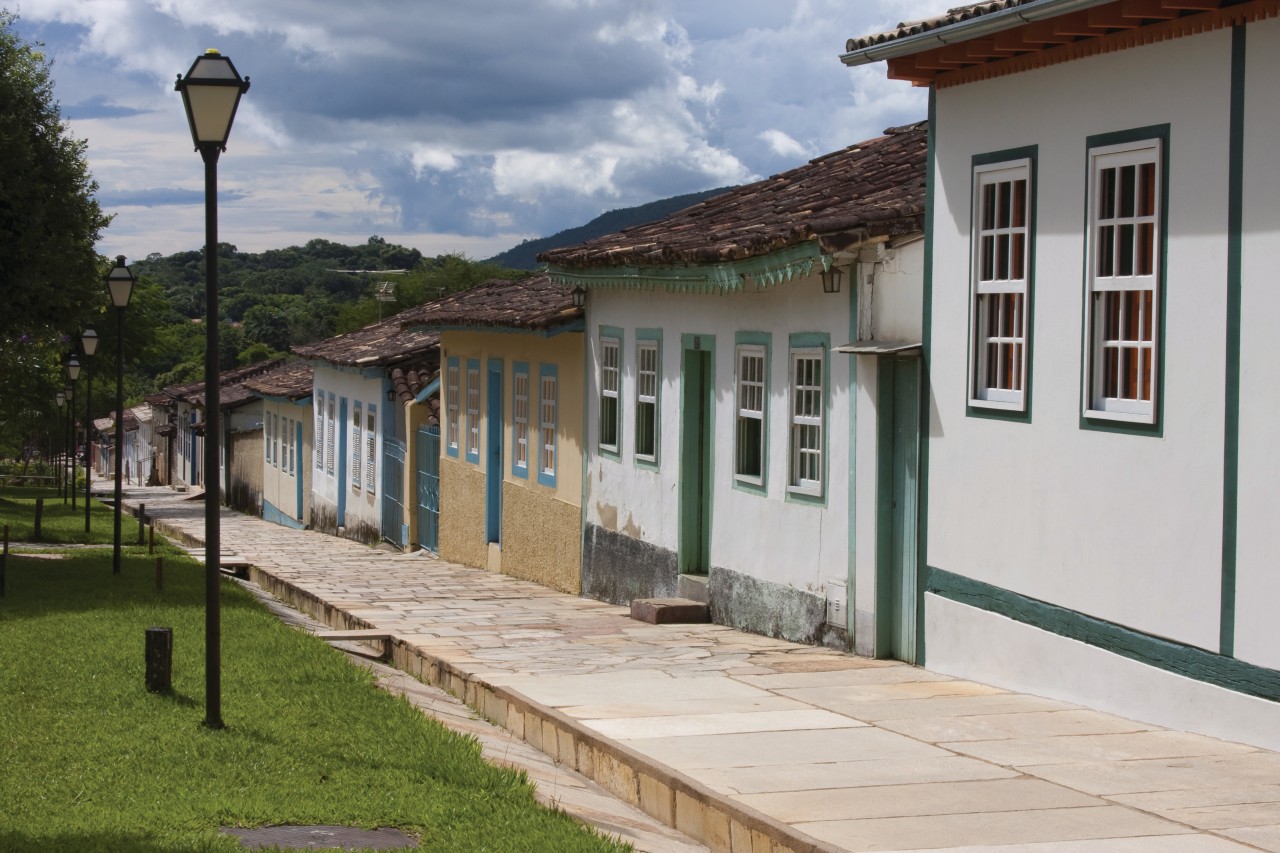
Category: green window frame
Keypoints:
(648, 397)
(610, 388)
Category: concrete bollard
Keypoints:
(159, 660)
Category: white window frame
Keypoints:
(610, 391)
(290, 443)
(317, 437)
(648, 379)
(330, 429)
(807, 447)
(1145, 285)
(548, 401)
(453, 405)
(745, 389)
(473, 410)
(357, 450)
(1005, 292)
(371, 449)
(266, 438)
(520, 419)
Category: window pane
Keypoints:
(1019, 218)
(988, 267)
(1107, 194)
(1146, 248)
(1003, 205)
(988, 207)
(1125, 239)
(1147, 189)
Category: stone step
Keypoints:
(668, 611)
(693, 587)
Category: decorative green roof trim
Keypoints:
(725, 277)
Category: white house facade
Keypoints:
(1099, 480)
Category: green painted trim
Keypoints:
(757, 339)
(850, 588)
(926, 360)
(768, 270)
(654, 464)
(690, 535)
(1102, 140)
(521, 368)
(615, 452)
(1231, 431)
(993, 158)
(812, 340)
(1177, 658)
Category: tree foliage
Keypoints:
(49, 218)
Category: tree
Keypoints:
(49, 218)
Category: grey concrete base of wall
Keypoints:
(663, 793)
(617, 568)
(760, 607)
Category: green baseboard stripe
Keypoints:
(1177, 658)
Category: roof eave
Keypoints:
(982, 25)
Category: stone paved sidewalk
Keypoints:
(748, 743)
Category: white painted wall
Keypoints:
(1258, 539)
(353, 386)
(766, 537)
(279, 480)
(1122, 527)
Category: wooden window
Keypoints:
(317, 438)
(547, 425)
(610, 383)
(647, 377)
(452, 404)
(330, 424)
(1123, 275)
(520, 420)
(808, 412)
(749, 429)
(357, 451)
(1001, 273)
(290, 443)
(370, 448)
(266, 438)
(473, 410)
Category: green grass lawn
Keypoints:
(60, 523)
(89, 761)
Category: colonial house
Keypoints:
(1099, 477)
(285, 460)
(725, 432)
(360, 433)
(511, 473)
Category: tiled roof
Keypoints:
(230, 390)
(952, 16)
(534, 303)
(877, 185)
(377, 345)
(291, 380)
(409, 380)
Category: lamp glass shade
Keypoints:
(73, 370)
(69, 392)
(61, 397)
(89, 342)
(831, 280)
(120, 284)
(579, 297)
(210, 93)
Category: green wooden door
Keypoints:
(697, 399)
(898, 599)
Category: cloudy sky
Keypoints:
(455, 125)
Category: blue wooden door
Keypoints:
(493, 456)
(427, 454)
(393, 451)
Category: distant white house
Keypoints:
(286, 442)
(725, 431)
(1101, 476)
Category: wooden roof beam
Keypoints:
(1079, 24)
(1111, 18)
(1147, 9)
(1193, 5)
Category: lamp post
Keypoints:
(67, 394)
(210, 95)
(61, 397)
(73, 372)
(120, 285)
(89, 344)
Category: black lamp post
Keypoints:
(61, 397)
(73, 373)
(89, 344)
(120, 285)
(67, 394)
(210, 94)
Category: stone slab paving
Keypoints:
(750, 743)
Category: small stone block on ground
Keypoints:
(668, 611)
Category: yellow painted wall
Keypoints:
(541, 525)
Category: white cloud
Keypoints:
(783, 145)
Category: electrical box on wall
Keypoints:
(837, 603)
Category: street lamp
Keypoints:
(73, 372)
(89, 344)
(210, 94)
(120, 285)
(61, 397)
(67, 394)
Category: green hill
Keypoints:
(524, 256)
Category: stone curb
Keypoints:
(663, 793)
